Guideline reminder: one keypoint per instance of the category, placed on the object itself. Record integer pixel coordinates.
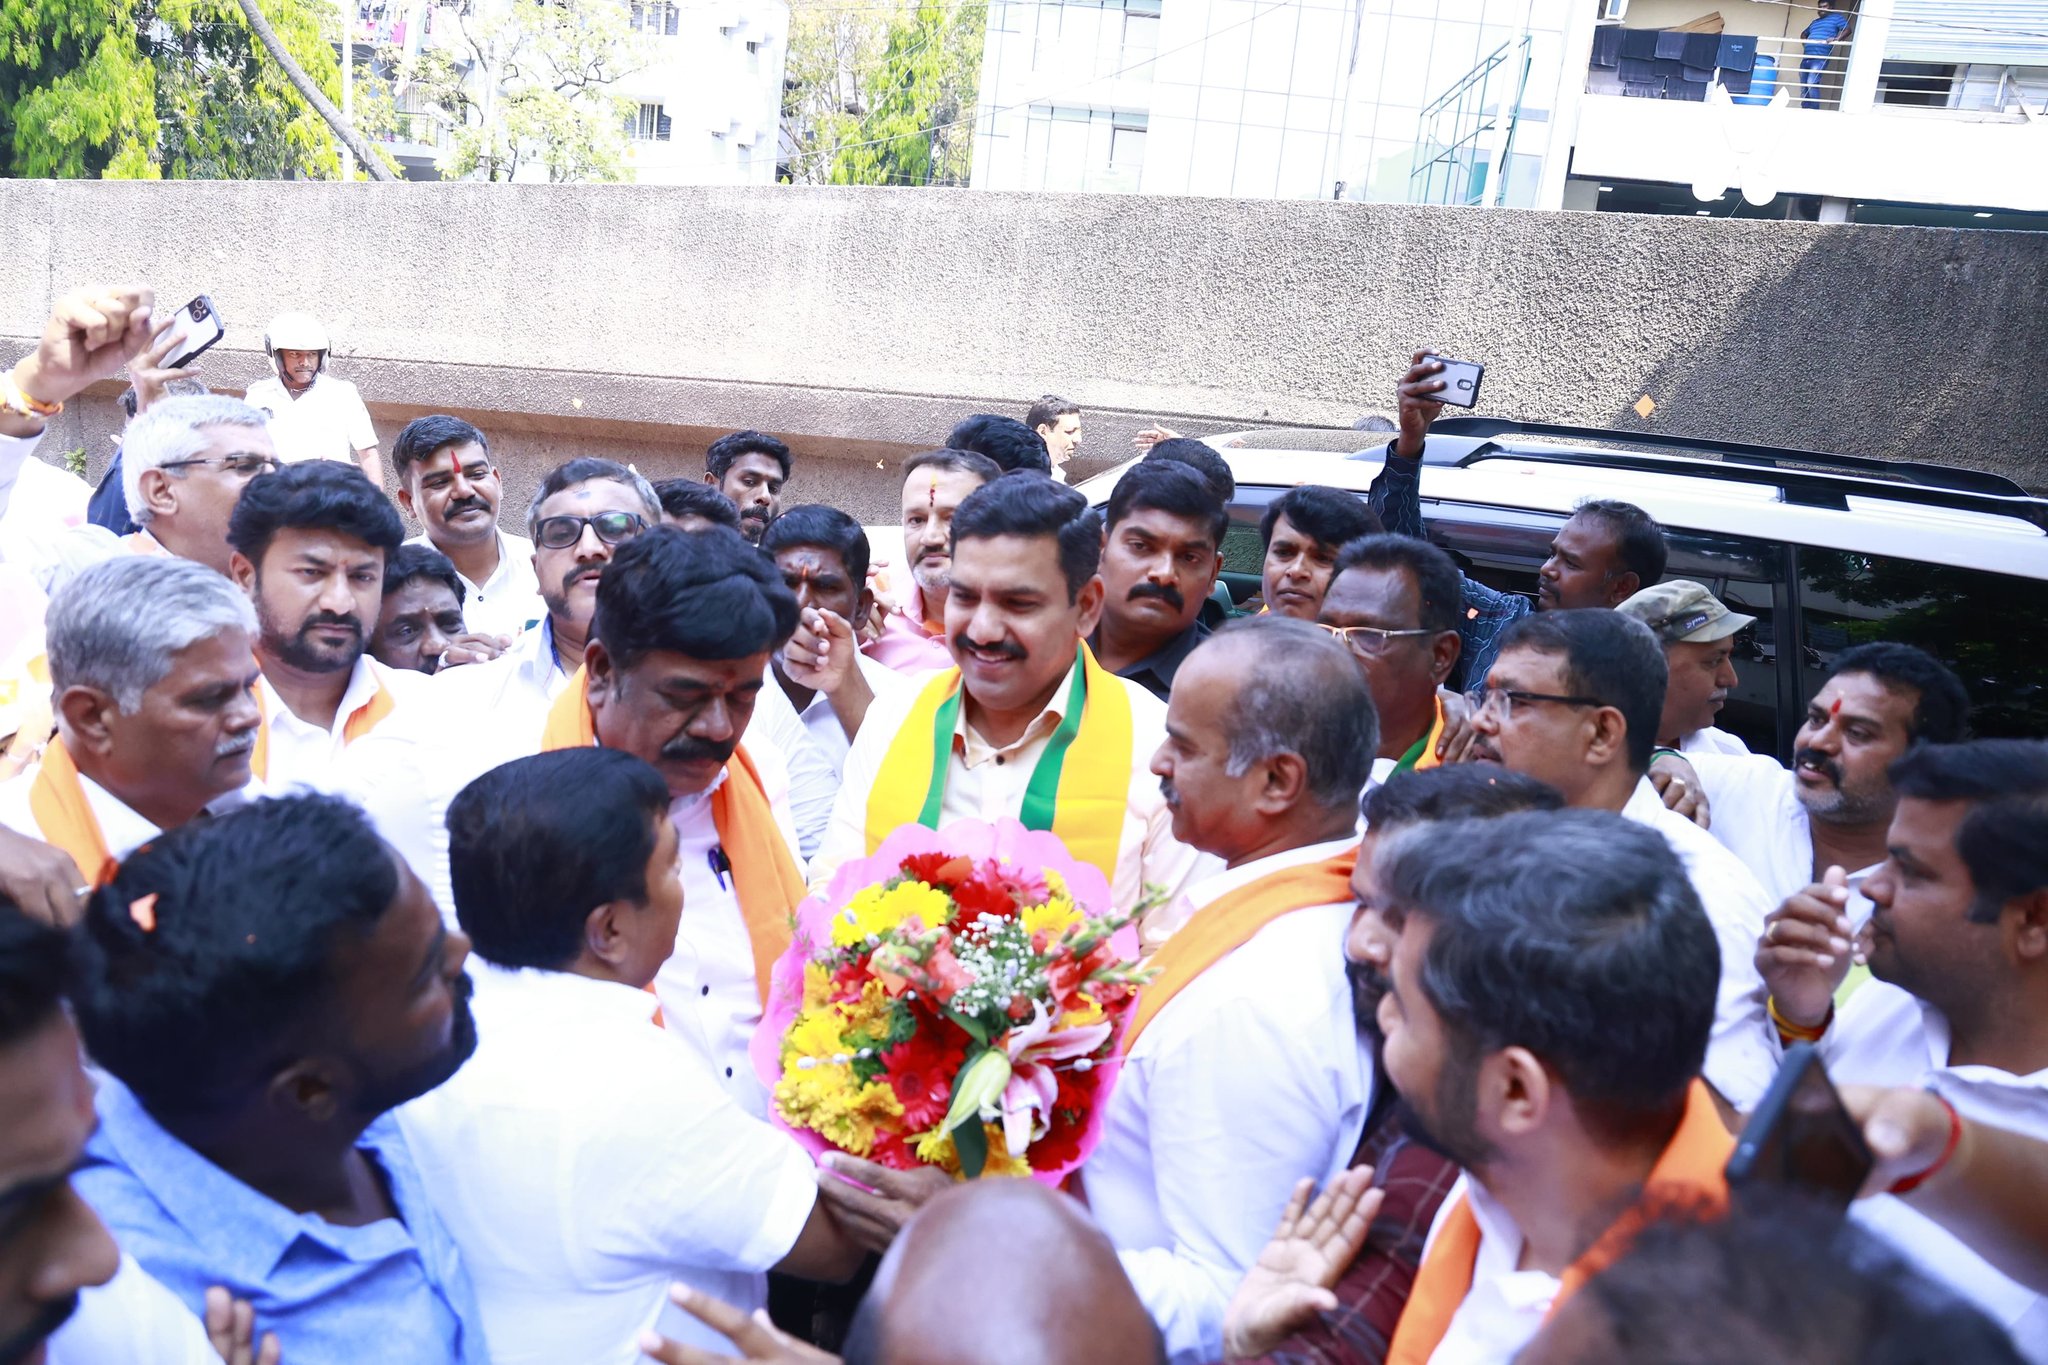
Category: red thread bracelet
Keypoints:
(1911, 1183)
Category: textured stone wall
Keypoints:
(861, 323)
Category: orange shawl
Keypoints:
(1229, 922)
(57, 800)
(1690, 1171)
(360, 722)
(764, 874)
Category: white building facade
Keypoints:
(1519, 103)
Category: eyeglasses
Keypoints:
(245, 466)
(559, 533)
(1507, 698)
(1363, 640)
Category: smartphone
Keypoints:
(1461, 381)
(1801, 1136)
(199, 328)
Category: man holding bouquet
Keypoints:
(1243, 1066)
(1027, 725)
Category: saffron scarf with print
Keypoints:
(1690, 1173)
(1227, 923)
(765, 876)
(1079, 790)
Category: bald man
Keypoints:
(1076, 1306)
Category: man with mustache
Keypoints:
(1573, 700)
(260, 991)
(1243, 1067)
(935, 483)
(1160, 556)
(1698, 634)
(447, 480)
(1393, 601)
(1035, 728)
(309, 548)
(1833, 808)
(750, 468)
(153, 675)
(1271, 1315)
(681, 626)
(1957, 942)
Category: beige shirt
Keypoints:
(985, 781)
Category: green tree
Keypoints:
(529, 84)
(883, 97)
(143, 89)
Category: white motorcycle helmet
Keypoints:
(295, 332)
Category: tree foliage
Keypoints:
(529, 85)
(883, 97)
(146, 89)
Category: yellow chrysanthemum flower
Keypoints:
(815, 1034)
(879, 910)
(1088, 1015)
(1053, 918)
(869, 1014)
(817, 986)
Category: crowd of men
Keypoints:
(339, 867)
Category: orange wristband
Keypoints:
(1797, 1033)
(14, 398)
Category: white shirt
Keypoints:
(120, 825)
(1712, 740)
(1740, 1062)
(132, 1319)
(707, 988)
(815, 744)
(984, 782)
(1251, 1078)
(466, 721)
(326, 422)
(509, 601)
(1759, 818)
(1505, 1307)
(304, 754)
(408, 770)
(1885, 1036)
(582, 1159)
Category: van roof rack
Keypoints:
(1812, 478)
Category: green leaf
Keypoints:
(970, 1140)
(973, 1027)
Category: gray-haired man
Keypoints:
(184, 464)
(151, 662)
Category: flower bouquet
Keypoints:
(952, 1001)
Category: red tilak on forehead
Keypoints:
(932, 494)
(1835, 711)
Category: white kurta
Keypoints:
(1252, 1077)
(1740, 1063)
(303, 754)
(582, 1159)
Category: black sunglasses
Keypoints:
(559, 533)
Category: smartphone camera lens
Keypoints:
(199, 310)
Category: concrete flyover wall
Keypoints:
(861, 323)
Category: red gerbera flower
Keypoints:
(921, 1072)
(942, 870)
(892, 1151)
(983, 895)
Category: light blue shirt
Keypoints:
(394, 1290)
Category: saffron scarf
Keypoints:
(57, 800)
(765, 877)
(1691, 1171)
(1227, 923)
(1079, 790)
(360, 722)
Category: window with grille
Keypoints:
(650, 124)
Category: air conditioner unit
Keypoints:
(1613, 9)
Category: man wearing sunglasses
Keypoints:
(184, 463)
(1393, 600)
(1573, 699)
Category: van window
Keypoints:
(1983, 625)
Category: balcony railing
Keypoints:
(1669, 64)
